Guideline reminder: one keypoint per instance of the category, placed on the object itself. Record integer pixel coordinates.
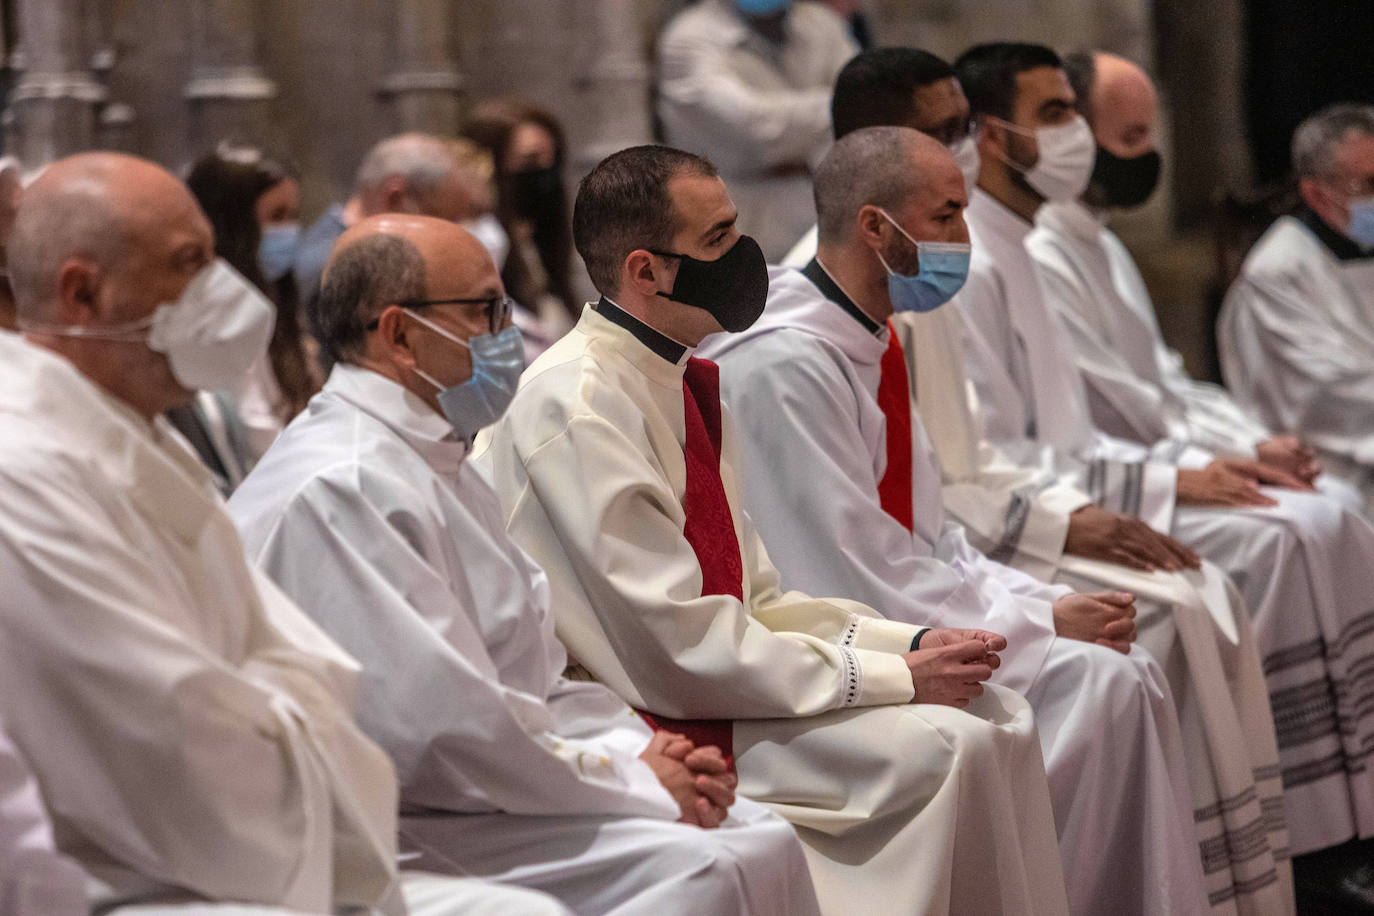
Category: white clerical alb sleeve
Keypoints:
(682, 653)
(430, 693)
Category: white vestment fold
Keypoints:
(1296, 335)
(804, 380)
(189, 728)
(366, 513)
(910, 808)
(1302, 566)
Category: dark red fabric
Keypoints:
(710, 528)
(894, 397)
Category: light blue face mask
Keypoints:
(1361, 228)
(497, 361)
(761, 7)
(943, 270)
(277, 250)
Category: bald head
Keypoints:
(113, 212)
(1118, 99)
(389, 259)
(884, 167)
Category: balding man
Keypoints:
(616, 470)
(857, 510)
(189, 727)
(408, 173)
(366, 512)
(1299, 559)
(1296, 332)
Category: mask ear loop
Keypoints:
(442, 333)
(1016, 129)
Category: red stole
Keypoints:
(894, 397)
(710, 528)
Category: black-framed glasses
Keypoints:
(498, 309)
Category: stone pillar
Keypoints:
(54, 102)
(424, 89)
(612, 81)
(228, 93)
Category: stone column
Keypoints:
(54, 102)
(612, 81)
(424, 90)
(228, 93)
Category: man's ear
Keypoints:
(1315, 195)
(868, 226)
(78, 286)
(640, 272)
(391, 339)
(394, 193)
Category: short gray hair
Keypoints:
(77, 219)
(868, 166)
(421, 160)
(360, 281)
(1316, 139)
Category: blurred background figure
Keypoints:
(747, 84)
(529, 150)
(409, 173)
(253, 204)
(10, 186)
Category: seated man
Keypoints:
(367, 514)
(1296, 331)
(1300, 560)
(615, 469)
(189, 728)
(856, 509)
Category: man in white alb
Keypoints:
(1296, 331)
(615, 466)
(1299, 559)
(367, 513)
(857, 509)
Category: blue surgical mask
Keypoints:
(943, 270)
(277, 251)
(1361, 228)
(497, 361)
(761, 7)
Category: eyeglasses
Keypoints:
(498, 309)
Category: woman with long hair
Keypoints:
(528, 147)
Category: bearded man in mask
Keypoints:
(615, 466)
(747, 83)
(1298, 557)
(367, 513)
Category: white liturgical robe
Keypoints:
(759, 111)
(366, 512)
(1301, 566)
(1296, 336)
(903, 808)
(189, 727)
(804, 380)
(35, 879)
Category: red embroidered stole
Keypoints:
(710, 528)
(894, 397)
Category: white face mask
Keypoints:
(1065, 163)
(965, 154)
(488, 230)
(212, 334)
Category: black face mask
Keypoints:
(536, 192)
(1126, 182)
(733, 287)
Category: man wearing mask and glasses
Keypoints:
(616, 470)
(367, 512)
(1296, 332)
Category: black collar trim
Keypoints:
(831, 290)
(1342, 247)
(661, 345)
